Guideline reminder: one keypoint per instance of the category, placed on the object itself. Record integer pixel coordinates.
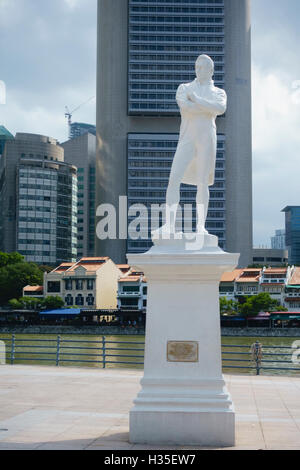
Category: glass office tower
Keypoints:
(292, 233)
(38, 197)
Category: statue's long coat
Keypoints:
(198, 129)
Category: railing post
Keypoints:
(256, 350)
(12, 349)
(58, 351)
(104, 351)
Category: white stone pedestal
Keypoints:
(183, 399)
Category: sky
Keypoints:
(48, 61)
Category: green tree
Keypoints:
(53, 302)
(255, 304)
(31, 303)
(7, 259)
(229, 307)
(15, 304)
(15, 274)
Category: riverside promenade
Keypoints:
(48, 408)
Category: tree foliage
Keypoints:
(228, 307)
(33, 303)
(53, 302)
(255, 304)
(15, 274)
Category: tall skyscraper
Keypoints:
(38, 200)
(81, 152)
(145, 50)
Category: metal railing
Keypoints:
(59, 351)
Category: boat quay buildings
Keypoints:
(146, 49)
(91, 283)
(99, 283)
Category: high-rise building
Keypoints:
(38, 200)
(146, 49)
(81, 152)
(292, 233)
(80, 128)
(278, 240)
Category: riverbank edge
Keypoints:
(117, 331)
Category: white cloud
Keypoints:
(276, 144)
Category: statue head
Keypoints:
(204, 68)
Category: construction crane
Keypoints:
(69, 114)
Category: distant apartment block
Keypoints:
(278, 241)
(38, 200)
(81, 152)
(80, 128)
(270, 257)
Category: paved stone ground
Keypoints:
(65, 408)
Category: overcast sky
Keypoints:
(48, 61)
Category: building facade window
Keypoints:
(53, 287)
(90, 284)
(68, 284)
(69, 300)
(79, 300)
(79, 284)
(90, 300)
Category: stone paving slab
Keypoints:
(48, 408)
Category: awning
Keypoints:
(232, 318)
(61, 312)
(285, 317)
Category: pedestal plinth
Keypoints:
(183, 400)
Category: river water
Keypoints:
(86, 351)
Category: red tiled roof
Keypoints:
(132, 279)
(33, 289)
(231, 276)
(62, 267)
(123, 267)
(89, 264)
(275, 271)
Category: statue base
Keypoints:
(183, 400)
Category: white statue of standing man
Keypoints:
(200, 103)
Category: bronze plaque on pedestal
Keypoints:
(183, 351)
